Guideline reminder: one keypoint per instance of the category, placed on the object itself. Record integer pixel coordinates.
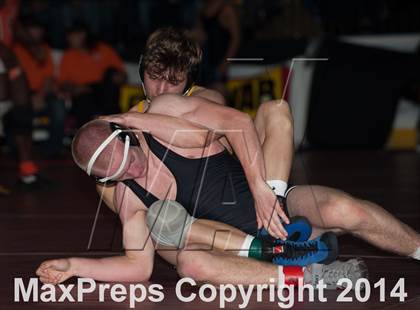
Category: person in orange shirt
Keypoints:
(35, 57)
(9, 10)
(14, 95)
(17, 122)
(90, 74)
(14, 92)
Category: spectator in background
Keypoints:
(9, 9)
(17, 121)
(57, 16)
(14, 93)
(219, 33)
(90, 75)
(35, 57)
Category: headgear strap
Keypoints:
(100, 149)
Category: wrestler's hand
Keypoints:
(269, 212)
(55, 271)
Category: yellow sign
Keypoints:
(246, 94)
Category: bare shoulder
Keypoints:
(106, 194)
(209, 94)
(126, 203)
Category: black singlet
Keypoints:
(213, 187)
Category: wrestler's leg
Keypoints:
(331, 209)
(216, 235)
(172, 228)
(219, 267)
(212, 235)
(274, 124)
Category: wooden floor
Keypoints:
(58, 222)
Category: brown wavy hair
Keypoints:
(171, 50)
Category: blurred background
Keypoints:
(349, 69)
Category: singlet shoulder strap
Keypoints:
(156, 147)
(146, 197)
(140, 107)
(148, 137)
(191, 90)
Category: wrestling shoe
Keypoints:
(323, 249)
(353, 269)
(298, 230)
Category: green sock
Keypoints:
(255, 249)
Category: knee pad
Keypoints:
(169, 223)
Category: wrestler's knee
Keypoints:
(276, 113)
(345, 212)
(194, 264)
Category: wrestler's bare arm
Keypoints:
(170, 129)
(135, 265)
(237, 126)
(106, 194)
(201, 92)
(214, 96)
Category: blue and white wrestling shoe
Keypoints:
(323, 250)
(299, 229)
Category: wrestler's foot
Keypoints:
(323, 249)
(352, 269)
(299, 229)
